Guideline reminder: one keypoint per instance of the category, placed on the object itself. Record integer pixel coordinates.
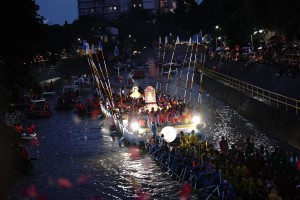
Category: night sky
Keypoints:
(58, 11)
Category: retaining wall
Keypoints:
(281, 124)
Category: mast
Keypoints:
(198, 40)
(171, 62)
(189, 66)
(182, 66)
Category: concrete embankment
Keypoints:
(282, 125)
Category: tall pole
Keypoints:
(251, 38)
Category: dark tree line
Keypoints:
(19, 41)
(22, 37)
(240, 18)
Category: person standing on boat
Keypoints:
(151, 116)
(46, 106)
(18, 128)
(154, 129)
(30, 128)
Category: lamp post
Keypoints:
(217, 27)
(251, 38)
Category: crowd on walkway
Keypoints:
(282, 56)
(248, 173)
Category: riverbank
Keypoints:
(282, 125)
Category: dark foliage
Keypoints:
(240, 18)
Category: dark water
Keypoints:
(77, 158)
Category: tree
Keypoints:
(19, 38)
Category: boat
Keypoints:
(68, 98)
(38, 109)
(138, 74)
(23, 103)
(85, 82)
(166, 68)
(136, 127)
(27, 136)
(133, 114)
(90, 107)
(48, 87)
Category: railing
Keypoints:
(260, 94)
(291, 58)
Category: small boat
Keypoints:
(66, 101)
(39, 109)
(27, 136)
(166, 68)
(48, 87)
(138, 74)
(22, 104)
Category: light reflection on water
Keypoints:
(75, 148)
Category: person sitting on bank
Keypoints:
(192, 138)
(223, 145)
(183, 139)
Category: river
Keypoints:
(78, 159)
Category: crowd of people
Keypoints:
(250, 172)
(88, 105)
(284, 57)
(166, 110)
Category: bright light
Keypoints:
(217, 27)
(219, 38)
(169, 133)
(135, 126)
(196, 120)
(255, 32)
(260, 31)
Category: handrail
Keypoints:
(258, 93)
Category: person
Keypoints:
(249, 147)
(192, 138)
(23, 153)
(19, 128)
(46, 106)
(223, 145)
(183, 139)
(227, 191)
(30, 128)
(59, 100)
(154, 129)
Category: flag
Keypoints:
(100, 47)
(199, 38)
(194, 39)
(166, 40)
(116, 51)
(84, 43)
(177, 40)
(159, 40)
(207, 38)
(93, 49)
(190, 42)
